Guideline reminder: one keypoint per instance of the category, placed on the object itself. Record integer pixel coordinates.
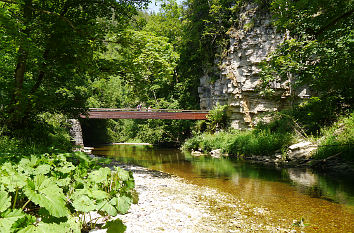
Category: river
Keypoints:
(325, 203)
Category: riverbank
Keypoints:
(299, 155)
(333, 164)
(170, 204)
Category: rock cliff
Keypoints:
(238, 72)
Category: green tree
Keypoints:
(318, 53)
(47, 50)
(145, 62)
(168, 22)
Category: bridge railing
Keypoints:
(143, 109)
(145, 113)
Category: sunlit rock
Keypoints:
(250, 44)
(216, 153)
(301, 150)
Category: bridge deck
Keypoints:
(106, 113)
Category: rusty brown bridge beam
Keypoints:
(176, 114)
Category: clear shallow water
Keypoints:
(326, 203)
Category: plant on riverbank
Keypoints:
(49, 193)
(264, 139)
(253, 142)
(338, 140)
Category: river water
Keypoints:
(325, 203)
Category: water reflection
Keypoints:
(184, 164)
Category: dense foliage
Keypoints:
(49, 193)
(338, 140)
(47, 54)
(140, 66)
(57, 58)
(318, 53)
(264, 140)
(48, 60)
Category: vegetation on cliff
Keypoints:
(316, 52)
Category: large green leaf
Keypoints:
(115, 226)
(64, 227)
(100, 175)
(33, 166)
(28, 229)
(53, 228)
(123, 204)
(122, 174)
(5, 201)
(83, 203)
(44, 192)
(108, 207)
(42, 169)
(97, 194)
(9, 218)
(10, 178)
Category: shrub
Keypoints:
(253, 142)
(217, 118)
(48, 133)
(192, 143)
(338, 140)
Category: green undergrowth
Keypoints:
(338, 140)
(265, 139)
(46, 188)
(253, 142)
(57, 192)
(45, 133)
(268, 138)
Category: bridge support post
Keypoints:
(76, 133)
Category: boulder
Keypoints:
(301, 150)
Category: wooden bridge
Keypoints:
(130, 113)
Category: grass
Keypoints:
(252, 142)
(278, 135)
(337, 140)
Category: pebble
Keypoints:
(170, 204)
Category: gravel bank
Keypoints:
(169, 204)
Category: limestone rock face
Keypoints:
(238, 72)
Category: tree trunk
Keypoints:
(17, 108)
